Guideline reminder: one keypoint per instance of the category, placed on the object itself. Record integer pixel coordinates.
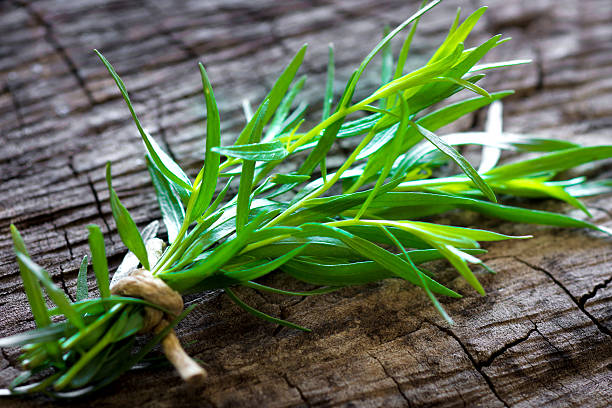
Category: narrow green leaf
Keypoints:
(90, 354)
(528, 187)
(329, 84)
(378, 142)
(187, 280)
(494, 128)
(274, 97)
(465, 84)
(366, 61)
(553, 162)
(337, 272)
(457, 158)
(206, 189)
(169, 201)
(386, 70)
(41, 335)
(218, 200)
(430, 294)
(590, 188)
(255, 151)
(317, 247)
(82, 292)
(403, 55)
(381, 256)
(404, 200)
(458, 35)
(262, 315)
(500, 64)
(261, 270)
(55, 294)
(416, 78)
(243, 200)
(30, 283)
(259, 286)
(128, 231)
(162, 161)
(289, 178)
(322, 148)
(448, 114)
(282, 119)
(98, 259)
(392, 152)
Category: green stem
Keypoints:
(349, 162)
(81, 334)
(264, 242)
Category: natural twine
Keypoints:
(142, 284)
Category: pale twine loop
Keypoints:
(142, 284)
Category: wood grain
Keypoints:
(542, 335)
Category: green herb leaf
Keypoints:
(206, 188)
(169, 201)
(457, 158)
(274, 97)
(98, 259)
(56, 294)
(255, 151)
(261, 270)
(128, 231)
(162, 161)
(553, 162)
(82, 292)
(243, 200)
(30, 283)
(262, 315)
(288, 178)
(329, 84)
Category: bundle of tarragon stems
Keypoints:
(330, 228)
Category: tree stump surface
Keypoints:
(541, 337)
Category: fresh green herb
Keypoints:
(359, 223)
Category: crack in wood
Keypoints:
(581, 307)
(58, 47)
(397, 384)
(18, 108)
(99, 207)
(475, 364)
(539, 85)
(97, 201)
(64, 286)
(68, 244)
(506, 347)
(156, 13)
(591, 294)
(297, 388)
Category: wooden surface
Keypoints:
(542, 336)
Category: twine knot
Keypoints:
(142, 284)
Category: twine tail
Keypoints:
(189, 370)
(142, 284)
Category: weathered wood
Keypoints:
(542, 336)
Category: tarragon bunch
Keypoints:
(331, 228)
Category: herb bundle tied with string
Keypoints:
(331, 228)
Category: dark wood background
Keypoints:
(542, 336)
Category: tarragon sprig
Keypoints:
(332, 228)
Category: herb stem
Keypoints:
(328, 184)
(264, 242)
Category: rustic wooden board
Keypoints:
(542, 336)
